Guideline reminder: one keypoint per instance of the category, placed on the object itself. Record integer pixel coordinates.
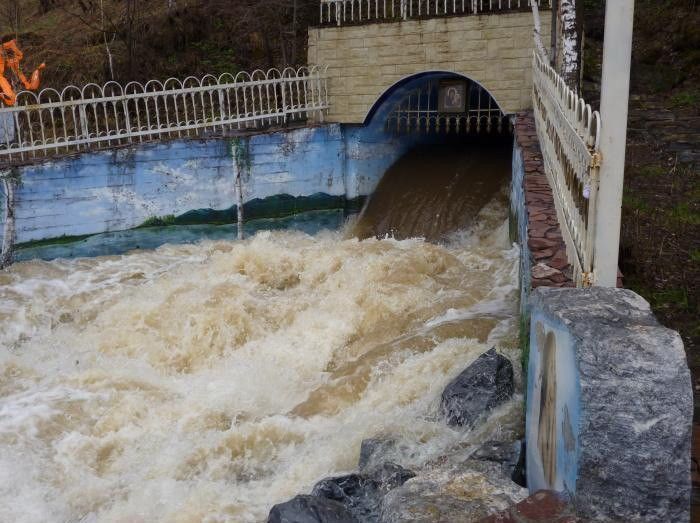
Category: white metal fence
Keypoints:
(51, 123)
(341, 12)
(569, 131)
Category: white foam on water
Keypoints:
(208, 382)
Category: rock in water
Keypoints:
(451, 493)
(507, 453)
(310, 509)
(361, 494)
(485, 384)
(373, 452)
(390, 475)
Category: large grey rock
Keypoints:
(361, 494)
(310, 509)
(358, 494)
(483, 385)
(609, 406)
(452, 494)
(390, 475)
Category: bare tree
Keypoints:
(114, 21)
(107, 41)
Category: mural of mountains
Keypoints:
(277, 206)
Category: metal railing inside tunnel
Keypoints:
(51, 123)
(341, 12)
(569, 132)
(419, 111)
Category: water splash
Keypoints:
(207, 382)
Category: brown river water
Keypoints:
(208, 382)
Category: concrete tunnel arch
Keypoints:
(375, 144)
(393, 93)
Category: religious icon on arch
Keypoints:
(452, 96)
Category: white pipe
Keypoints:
(617, 56)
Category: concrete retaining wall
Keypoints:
(120, 189)
(196, 179)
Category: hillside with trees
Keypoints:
(85, 41)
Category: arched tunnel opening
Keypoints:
(452, 146)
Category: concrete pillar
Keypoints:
(8, 184)
(617, 55)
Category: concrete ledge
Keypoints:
(609, 406)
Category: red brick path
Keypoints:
(550, 266)
(544, 506)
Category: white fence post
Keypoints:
(617, 53)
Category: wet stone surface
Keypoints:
(485, 384)
(544, 506)
(509, 454)
(361, 494)
(310, 509)
(454, 492)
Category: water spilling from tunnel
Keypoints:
(209, 381)
(433, 191)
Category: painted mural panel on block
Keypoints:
(122, 189)
(301, 162)
(193, 182)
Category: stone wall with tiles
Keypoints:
(539, 232)
(364, 61)
(534, 223)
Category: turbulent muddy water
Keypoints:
(207, 382)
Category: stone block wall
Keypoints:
(609, 406)
(364, 61)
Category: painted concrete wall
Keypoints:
(117, 190)
(518, 226)
(365, 60)
(555, 393)
(121, 189)
(299, 163)
(609, 406)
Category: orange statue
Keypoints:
(11, 56)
